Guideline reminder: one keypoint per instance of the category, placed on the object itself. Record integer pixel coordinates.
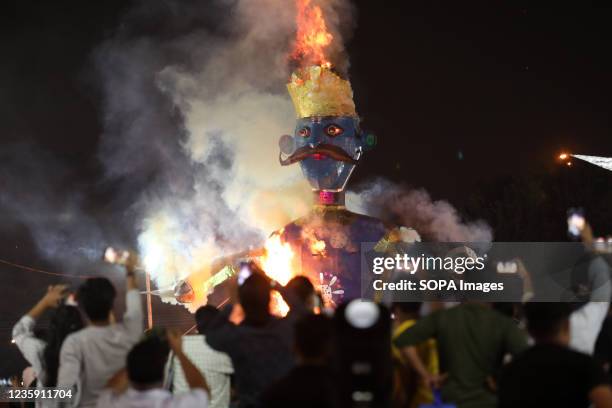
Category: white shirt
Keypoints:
(216, 367)
(586, 322)
(32, 349)
(585, 325)
(91, 356)
(155, 398)
(30, 346)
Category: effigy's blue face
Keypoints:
(328, 149)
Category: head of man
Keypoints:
(208, 318)
(146, 362)
(313, 339)
(403, 311)
(64, 321)
(97, 296)
(254, 296)
(548, 322)
(302, 291)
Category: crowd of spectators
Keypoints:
(466, 355)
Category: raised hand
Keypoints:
(175, 340)
(54, 295)
(52, 298)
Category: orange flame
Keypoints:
(197, 281)
(278, 306)
(277, 262)
(318, 247)
(312, 36)
(281, 263)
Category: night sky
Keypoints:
(458, 94)
(506, 85)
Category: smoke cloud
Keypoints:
(41, 193)
(434, 220)
(194, 102)
(193, 112)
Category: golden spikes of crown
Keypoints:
(318, 91)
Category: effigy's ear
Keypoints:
(286, 144)
(368, 140)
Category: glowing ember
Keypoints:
(312, 36)
(309, 237)
(566, 159)
(318, 247)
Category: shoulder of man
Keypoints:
(72, 341)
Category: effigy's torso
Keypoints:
(327, 247)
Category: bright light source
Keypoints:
(563, 156)
(569, 164)
(12, 341)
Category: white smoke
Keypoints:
(40, 193)
(195, 102)
(434, 220)
(194, 111)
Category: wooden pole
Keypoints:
(149, 308)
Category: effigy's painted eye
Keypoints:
(304, 132)
(333, 130)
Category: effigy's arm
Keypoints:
(398, 235)
(195, 287)
(389, 246)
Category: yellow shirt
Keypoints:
(428, 353)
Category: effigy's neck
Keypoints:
(329, 199)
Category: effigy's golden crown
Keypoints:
(318, 91)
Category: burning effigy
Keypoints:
(327, 143)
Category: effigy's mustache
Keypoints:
(303, 152)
